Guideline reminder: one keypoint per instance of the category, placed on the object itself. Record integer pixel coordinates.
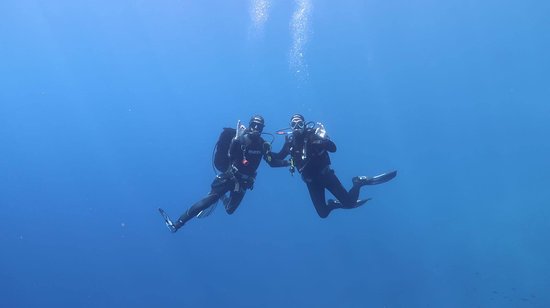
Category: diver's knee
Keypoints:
(323, 213)
(230, 210)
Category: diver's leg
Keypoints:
(219, 186)
(317, 193)
(235, 198)
(333, 184)
(354, 191)
(194, 210)
(356, 187)
(360, 181)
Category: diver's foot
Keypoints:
(360, 180)
(169, 224)
(336, 204)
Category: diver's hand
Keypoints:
(267, 147)
(321, 132)
(326, 144)
(291, 166)
(321, 142)
(250, 183)
(240, 129)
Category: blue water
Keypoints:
(110, 109)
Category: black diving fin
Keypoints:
(357, 204)
(375, 180)
(167, 221)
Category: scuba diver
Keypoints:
(308, 146)
(238, 153)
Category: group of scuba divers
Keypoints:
(238, 154)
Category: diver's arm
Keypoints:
(268, 157)
(325, 143)
(329, 145)
(275, 162)
(234, 148)
(284, 152)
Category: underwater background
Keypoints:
(110, 109)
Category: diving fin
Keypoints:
(361, 202)
(169, 224)
(377, 179)
(337, 203)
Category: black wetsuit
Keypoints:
(245, 154)
(309, 153)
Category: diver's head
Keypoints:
(256, 125)
(297, 123)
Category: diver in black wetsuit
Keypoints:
(245, 153)
(308, 148)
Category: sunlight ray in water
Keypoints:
(300, 31)
(259, 13)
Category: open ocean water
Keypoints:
(110, 109)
